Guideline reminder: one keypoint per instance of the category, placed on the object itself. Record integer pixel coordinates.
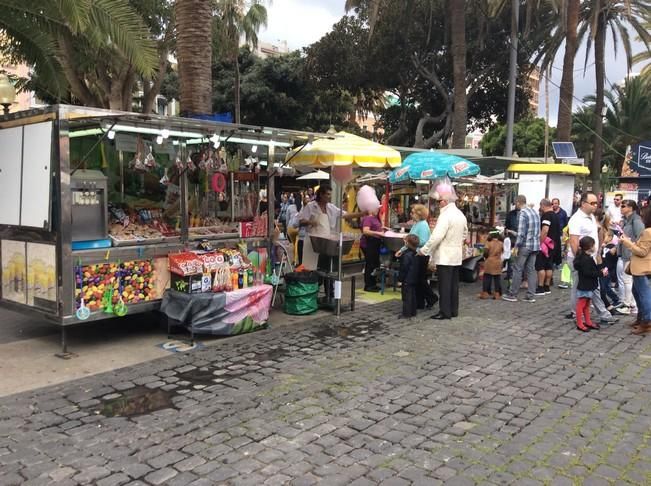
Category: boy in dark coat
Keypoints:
(409, 276)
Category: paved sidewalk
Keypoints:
(508, 393)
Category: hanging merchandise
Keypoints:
(165, 180)
(120, 308)
(83, 312)
(179, 163)
(218, 182)
(138, 163)
(189, 164)
(150, 161)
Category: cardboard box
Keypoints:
(189, 284)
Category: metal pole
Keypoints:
(547, 75)
(338, 294)
(271, 188)
(513, 76)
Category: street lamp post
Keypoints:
(7, 93)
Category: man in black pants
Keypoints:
(445, 247)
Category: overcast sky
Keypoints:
(302, 22)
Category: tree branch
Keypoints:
(77, 85)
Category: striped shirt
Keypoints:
(528, 230)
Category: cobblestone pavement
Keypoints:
(507, 393)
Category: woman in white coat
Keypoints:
(445, 248)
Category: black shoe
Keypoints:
(439, 317)
(372, 289)
(540, 291)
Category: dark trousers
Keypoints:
(488, 282)
(324, 263)
(299, 248)
(448, 290)
(372, 261)
(424, 293)
(408, 300)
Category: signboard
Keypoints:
(637, 162)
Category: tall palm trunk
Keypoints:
(458, 38)
(237, 91)
(600, 75)
(564, 126)
(194, 50)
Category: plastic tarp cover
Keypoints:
(224, 314)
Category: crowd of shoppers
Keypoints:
(608, 251)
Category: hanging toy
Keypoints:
(150, 161)
(107, 302)
(165, 180)
(202, 161)
(83, 312)
(179, 163)
(137, 161)
(120, 309)
(190, 165)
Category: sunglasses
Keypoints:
(594, 203)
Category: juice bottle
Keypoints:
(234, 280)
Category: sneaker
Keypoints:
(531, 300)
(540, 290)
(547, 289)
(570, 316)
(509, 298)
(625, 311)
(619, 305)
(609, 320)
(563, 285)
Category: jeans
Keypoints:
(598, 304)
(642, 292)
(625, 283)
(607, 291)
(525, 261)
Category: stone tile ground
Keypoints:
(508, 393)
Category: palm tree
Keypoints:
(237, 19)
(194, 52)
(644, 56)
(599, 18)
(46, 35)
(571, 9)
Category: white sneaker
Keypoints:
(623, 310)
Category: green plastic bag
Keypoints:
(566, 274)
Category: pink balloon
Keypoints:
(342, 173)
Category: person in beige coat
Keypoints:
(445, 248)
(640, 268)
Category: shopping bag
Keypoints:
(566, 274)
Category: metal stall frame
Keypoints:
(66, 119)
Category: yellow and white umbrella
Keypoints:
(344, 149)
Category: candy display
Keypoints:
(104, 285)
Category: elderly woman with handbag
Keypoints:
(640, 268)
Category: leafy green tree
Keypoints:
(92, 50)
(278, 91)
(528, 138)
